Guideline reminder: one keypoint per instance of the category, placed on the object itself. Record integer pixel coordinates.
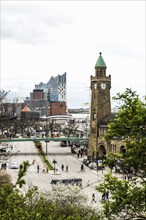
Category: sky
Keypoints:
(40, 39)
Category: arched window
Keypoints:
(101, 151)
(122, 149)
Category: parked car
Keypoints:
(92, 165)
(14, 165)
(3, 150)
(87, 162)
(63, 144)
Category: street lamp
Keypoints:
(54, 162)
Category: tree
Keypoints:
(128, 198)
(70, 129)
(3, 94)
(61, 203)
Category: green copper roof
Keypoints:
(100, 62)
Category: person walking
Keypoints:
(103, 196)
(82, 167)
(44, 170)
(38, 168)
(62, 167)
(93, 198)
(66, 168)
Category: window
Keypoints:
(94, 116)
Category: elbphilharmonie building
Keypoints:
(54, 89)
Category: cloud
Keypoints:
(31, 25)
(41, 39)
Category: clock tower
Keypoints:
(100, 85)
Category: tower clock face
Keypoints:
(103, 86)
(95, 85)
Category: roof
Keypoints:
(25, 109)
(107, 119)
(100, 62)
(59, 117)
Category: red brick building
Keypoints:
(37, 94)
(57, 108)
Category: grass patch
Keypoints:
(43, 155)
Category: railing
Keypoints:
(44, 139)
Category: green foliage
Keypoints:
(111, 160)
(22, 172)
(130, 119)
(38, 144)
(130, 124)
(33, 206)
(4, 178)
(43, 155)
(127, 198)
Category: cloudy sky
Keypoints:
(40, 39)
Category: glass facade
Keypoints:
(54, 89)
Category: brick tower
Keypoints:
(100, 85)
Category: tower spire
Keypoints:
(100, 62)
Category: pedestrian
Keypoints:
(129, 177)
(82, 167)
(62, 167)
(43, 171)
(103, 196)
(38, 168)
(93, 198)
(66, 168)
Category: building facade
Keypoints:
(37, 94)
(49, 98)
(54, 89)
(57, 108)
(28, 115)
